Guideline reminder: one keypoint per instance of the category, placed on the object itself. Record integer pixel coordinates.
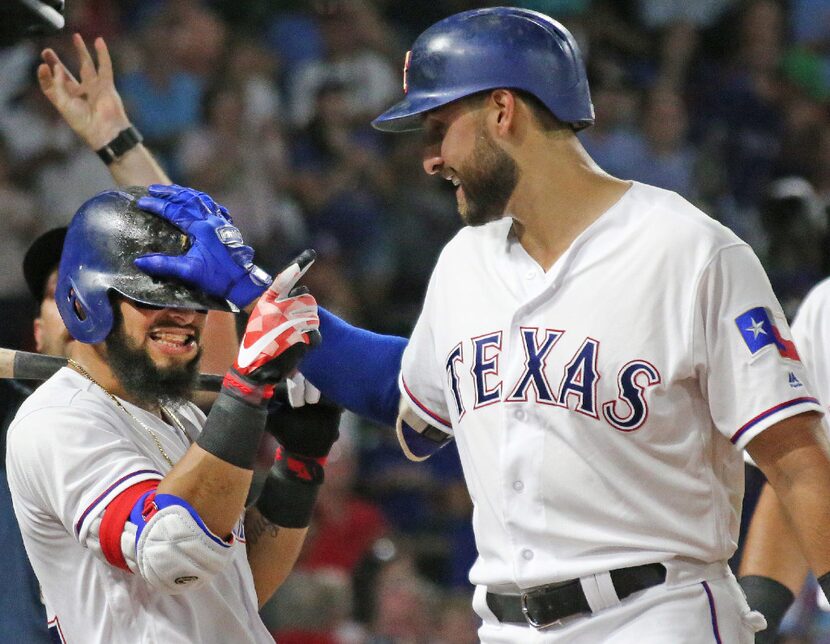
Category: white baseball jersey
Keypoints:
(71, 452)
(600, 408)
(811, 333)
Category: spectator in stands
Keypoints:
(251, 178)
(336, 176)
(313, 607)
(745, 101)
(162, 96)
(403, 602)
(614, 140)
(794, 225)
(345, 526)
(665, 159)
(351, 58)
(20, 225)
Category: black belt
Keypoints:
(547, 605)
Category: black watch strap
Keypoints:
(125, 141)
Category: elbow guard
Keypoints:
(174, 550)
(417, 438)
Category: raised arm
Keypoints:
(215, 474)
(93, 108)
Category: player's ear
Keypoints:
(503, 104)
(38, 333)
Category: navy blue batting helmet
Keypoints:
(483, 49)
(105, 236)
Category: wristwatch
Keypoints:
(126, 140)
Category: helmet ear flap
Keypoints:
(84, 321)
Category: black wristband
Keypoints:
(126, 140)
(233, 430)
(287, 500)
(770, 598)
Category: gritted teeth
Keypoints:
(172, 338)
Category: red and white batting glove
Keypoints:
(282, 327)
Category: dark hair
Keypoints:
(544, 117)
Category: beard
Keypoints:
(142, 378)
(488, 181)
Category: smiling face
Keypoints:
(458, 146)
(154, 352)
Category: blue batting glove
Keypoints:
(218, 262)
(185, 204)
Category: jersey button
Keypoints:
(520, 414)
(527, 554)
(531, 274)
(518, 486)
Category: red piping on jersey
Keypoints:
(115, 518)
(765, 414)
(55, 623)
(107, 491)
(423, 408)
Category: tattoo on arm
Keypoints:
(258, 527)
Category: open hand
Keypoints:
(91, 107)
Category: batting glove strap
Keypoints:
(233, 430)
(248, 391)
(291, 489)
(306, 469)
(770, 598)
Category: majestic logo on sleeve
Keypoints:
(576, 389)
(758, 331)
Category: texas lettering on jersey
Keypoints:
(576, 389)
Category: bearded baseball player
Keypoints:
(600, 350)
(131, 503)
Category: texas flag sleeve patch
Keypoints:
(758, 331)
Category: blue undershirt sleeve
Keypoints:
(357, 369)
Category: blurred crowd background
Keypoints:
(266, 105)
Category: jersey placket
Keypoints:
(525, 511)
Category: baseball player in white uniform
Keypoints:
(600, 350)
(811, 334)
(130, 501)
(773, 567)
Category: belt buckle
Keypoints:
(529, 617)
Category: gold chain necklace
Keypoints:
(77, 367)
